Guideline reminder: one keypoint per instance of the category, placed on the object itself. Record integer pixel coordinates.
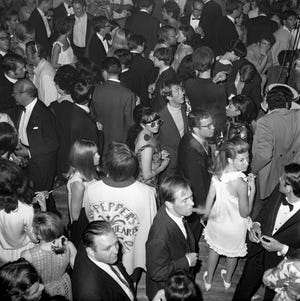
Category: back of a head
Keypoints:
(8, 138)
(120, 163)
(65, 77)
(182, 287)
(124, 56)
(279, 97)
(80, 91)
(165, 55)
(135, 40)
(145, 3)
(239, 48)
(111, 65)
(24, 30)
(232, 5)
(16, 278)
(47, 226)
(28, 87)
(203, 59)
(292, 178)
(172, 7)
(247, 72)
(14, 186)
(264, 7)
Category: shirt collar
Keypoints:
(3, 53)
(201, 141)
(31, 105)
(113, 80)
(83, 107)
(144, 10)
(12, 80)
(175, 218)
(230, 18)
(41, 12)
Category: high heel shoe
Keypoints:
(206, 284)
(226, 284)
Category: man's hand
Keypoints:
(192, 258)
(255, 233)
(271, 244)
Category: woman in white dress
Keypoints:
(62, 52)
(228, 205)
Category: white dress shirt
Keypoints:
(104, 42)
(12, 80)
(194, 23)
(106, 268)
(46, 23)
(79, 30)
(43, 80)
(284, 214)
(24, 122)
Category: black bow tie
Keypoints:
(286, 203)
(195, 18)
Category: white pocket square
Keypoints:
(36, 128)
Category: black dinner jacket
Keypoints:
(225, 32)
(59, 12)
(91, 283)
(288, 233)
(41, 131)
(146, 25)
(96, 50)
(165, 251)
(193, 164)
(7, 102)
(210, 13)
(259, 26)
(40, 30)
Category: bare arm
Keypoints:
(245, 203)
(55, 54)
(77, 191)
(73, 252)
(210, 198)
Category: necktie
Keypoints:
(286, 203)
(187, 233)
(121, 278)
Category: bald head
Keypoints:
(24, 91)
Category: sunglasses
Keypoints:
(155, 122)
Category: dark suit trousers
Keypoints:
(251, 280)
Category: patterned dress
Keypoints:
(52, 269)
(285, 280)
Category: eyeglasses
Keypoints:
(210, 125)
(155, 122)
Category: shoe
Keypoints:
(227, 285)
(206, 284)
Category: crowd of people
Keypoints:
(164, 121)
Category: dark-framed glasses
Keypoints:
(155, 122)
(210, 125)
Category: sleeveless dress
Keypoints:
(78, 226)
(226, 229)
(65, 57)
(52, 269)
(156, 161)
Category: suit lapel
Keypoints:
(183, 110)
(294, 219)
(171, 121)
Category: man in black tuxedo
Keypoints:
(141, 67)
(98, 45)
(97, 274)
(38, 136)
(225, 31)
(260, 26)
(13, 68)
(194, 18)
(274, 234)
(64, 10)
(39, 21)
(210, 13)
(171, 244)
(144, 24)
(194, 159)
(114, 104)
(213, 97)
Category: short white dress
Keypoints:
(226, 229)
(65, 57)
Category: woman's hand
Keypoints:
(165, 154)
(251, 182)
